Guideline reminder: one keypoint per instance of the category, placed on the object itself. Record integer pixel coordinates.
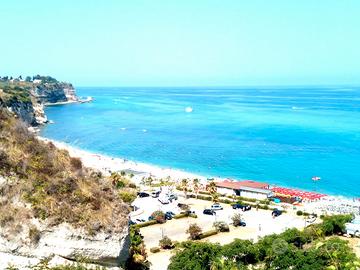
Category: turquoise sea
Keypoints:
(281, 135)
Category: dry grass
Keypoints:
(58, 187)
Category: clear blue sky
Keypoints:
(187, 42)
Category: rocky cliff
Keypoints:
(51, 206)
(49, 93)
(27, 99)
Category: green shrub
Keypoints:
(166, 243)
(299, 213)
(154, 249)
(127, 196)
(146, 223)
(207, 234)
(178, 216)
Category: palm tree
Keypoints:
(184, 185)
(196, 186)
(212, 189)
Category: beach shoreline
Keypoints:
(334, 204)
(107, 164)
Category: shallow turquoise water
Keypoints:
(280, 135)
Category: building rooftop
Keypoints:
(242, 184)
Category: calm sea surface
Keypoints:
(283, 136)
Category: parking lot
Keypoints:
(259, 222)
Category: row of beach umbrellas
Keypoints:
(304, 195)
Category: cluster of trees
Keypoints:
(313, 248)
(45, 79)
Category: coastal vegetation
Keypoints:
(138, 256)
(44, 183)
(314, 248)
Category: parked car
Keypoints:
(170, 213)
(164, 200)
(241, 224)
(168, 216)
(155, 194)
(172, 197)
(243, 207)
(216, 206)
(276, 213)
(209, 212)
(143, 194)
(131, 222)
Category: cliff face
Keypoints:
(27, 99)
(24, 110)
(48, 93)
(51, 206)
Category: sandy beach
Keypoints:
(107, 164)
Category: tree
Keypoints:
(212, 189)
(194, 230)
(236, 219)
(221, 226)
(241, 251)
(196, 186)
(184, 185)
(159, 216)
(149, 181)
(28, 79)
(335, 224)
(195, 256)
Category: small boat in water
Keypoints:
(316, 178)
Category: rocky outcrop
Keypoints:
(24, 110)
(67, 243)
(49, 93)
(27, 100)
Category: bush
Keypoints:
(34, 235)
(180, 216)
(207, 234)
(166, 243)
(194, 230)
(159, 216)
(236, 219)
(127, 196)
(146, 223)
(221, 226)
(132, 185)
(299, 213)
(334, 224)
(184, 207)
(76, 163)
(154, 249)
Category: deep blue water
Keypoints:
(282, 135)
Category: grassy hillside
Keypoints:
(46, 183)
(15, 92)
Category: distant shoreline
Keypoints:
(107, 164)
